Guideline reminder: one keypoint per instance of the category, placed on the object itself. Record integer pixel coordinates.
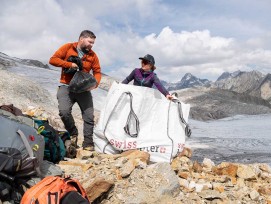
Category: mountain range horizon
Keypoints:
(231, 94)
(224, 75)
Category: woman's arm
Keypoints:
(161, 88)
(129, 78)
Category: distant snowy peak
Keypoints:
(187, 77)
(189, 81)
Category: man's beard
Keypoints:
(85, 49)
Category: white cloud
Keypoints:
(200, 38)
(196, 52)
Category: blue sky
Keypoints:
(205, 38)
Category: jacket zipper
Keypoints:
(143, 79)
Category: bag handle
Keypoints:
(187, 130)
(132, 113)
(26, 143)
(30, 151)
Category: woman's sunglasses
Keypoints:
(145, 62)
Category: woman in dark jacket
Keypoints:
(145, 76)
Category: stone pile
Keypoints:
(130, 178)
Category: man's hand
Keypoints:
(74, 66)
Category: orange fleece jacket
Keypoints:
(90, 62)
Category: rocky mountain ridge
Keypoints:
(263, 88)
(226, 75)
(7, 61)
(253, 83)
(237, 93)
(211, 103)
(243, 82)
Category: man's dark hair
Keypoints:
(87, 34)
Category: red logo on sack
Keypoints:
(123, 144)
(163, 150)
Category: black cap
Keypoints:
(148, 58)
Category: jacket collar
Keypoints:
(75, 48)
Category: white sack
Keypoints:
(155, 125)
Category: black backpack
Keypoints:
(21, 153)
(10, 160)
(21, 147)
(10, 192)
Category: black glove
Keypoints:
(77, 60)
(70, 70)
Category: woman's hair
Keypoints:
(153, 68)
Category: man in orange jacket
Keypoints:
(66, 99)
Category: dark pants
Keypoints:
(66, 101)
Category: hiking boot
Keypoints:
(74, 139)
(70, 149)
(71, 152)
(89, 148)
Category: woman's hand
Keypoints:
(169, 97)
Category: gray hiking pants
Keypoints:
(66, 100)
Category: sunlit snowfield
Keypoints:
(241, 138)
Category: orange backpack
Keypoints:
(52, 189)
